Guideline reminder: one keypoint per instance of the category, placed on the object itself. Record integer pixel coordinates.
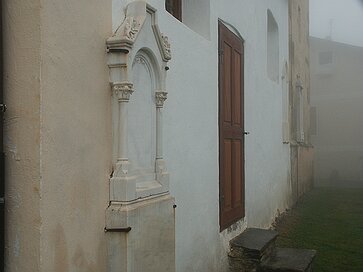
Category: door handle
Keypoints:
(246, 132)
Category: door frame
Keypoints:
(226, 221)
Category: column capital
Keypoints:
(122, 90)
(160, 97)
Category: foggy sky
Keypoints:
(345, 17)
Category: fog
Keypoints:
(342, 20)
(336, 93)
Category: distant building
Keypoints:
(337, 112)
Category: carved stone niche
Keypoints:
(140, 219)
(138, 55)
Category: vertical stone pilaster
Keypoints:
(160, 97)
(122, 92)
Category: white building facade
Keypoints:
(114, 163)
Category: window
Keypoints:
(272, 48)
(174, 7)
(195, 14)
(325, 58)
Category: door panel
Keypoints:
(227, 95)
(231, 128)
(227, 186)
(237, 171)
(237, 114)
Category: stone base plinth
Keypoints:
(141, 235)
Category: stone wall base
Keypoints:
(141, 235)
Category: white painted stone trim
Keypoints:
(123, 51)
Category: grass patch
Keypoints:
(329, 220)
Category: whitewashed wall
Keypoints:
(191, 126)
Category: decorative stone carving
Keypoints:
(121, 169)
(137, 41)
(299, 85)
(126, 34)
(166, 46)
(123, 91)
(139, 60)
(131, 28)
(160, 97)
(139, 188)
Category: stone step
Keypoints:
(251, 248)
(289, 260)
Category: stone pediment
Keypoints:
(128, 32)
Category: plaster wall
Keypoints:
(299, 74)
(75, 134)
(191, 129)
(305, 170)
(58, 134)
(337, 97)
(299, 65)
(21, 133)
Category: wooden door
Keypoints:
(2, 169)
(231, 128)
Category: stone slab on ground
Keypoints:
(254, 239)
(251, 248)
(289, 260)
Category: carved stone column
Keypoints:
(160, 169)
(122, 91)
(121, 186)
(160, 97)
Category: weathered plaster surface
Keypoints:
(58, 134)
(75, 134)
(299, 74)
(299, 63)
(21, 32)
(305, 171)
